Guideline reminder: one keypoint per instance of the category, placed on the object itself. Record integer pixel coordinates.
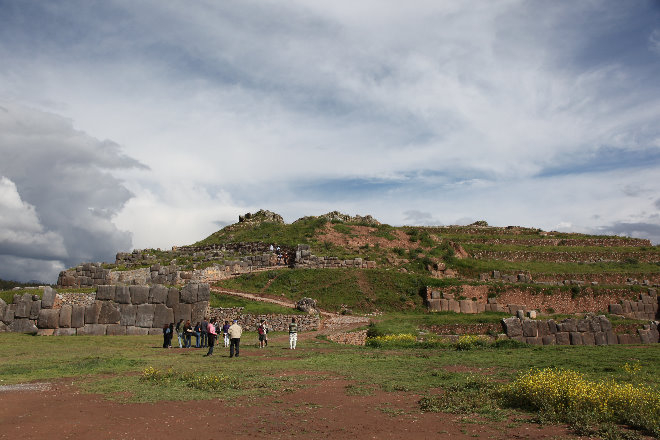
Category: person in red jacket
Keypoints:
(211, 336)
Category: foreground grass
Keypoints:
(137, 369)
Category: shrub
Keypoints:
(566, 396)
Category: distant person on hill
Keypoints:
(293, 334)
(211, 336)
(179, 332)
(225, 333)
(235, 332)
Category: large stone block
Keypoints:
(616, 309)
(77, 316)
(552, 327)
(453, 306)
(92, 313)
(122, 295)
(65, 316)
(534, 340)
(34, 309)
(583, 325)
(569, 325)
(611, 338)
(199, 311)
(594, 324)
(23, 306)
(605, 324)
(105, 293)
(588, 338)
(189, 293)
(466, 306)
(46, 332)
(136, 331)
(563, 338)
(530, 329)
(601, 338)
(3, 308)
(127, 314)
(576, 338)
(23, 325)
(145, 315)
(644, 336)
(154, 331)
(109, 313)
(481, 308)
(8, 317)
(48, 298)
(183, 311)
(512, 327)
(92, 330)
(162, 315)
(549, 340)
(49, 318)
(158, 294)
(204, 292)
(172, 297)
(435, 305)
(64, 332)
(139, 294)
(115, 330)
(543, 328)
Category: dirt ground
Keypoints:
(320, 410)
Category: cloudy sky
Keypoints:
(130, 124)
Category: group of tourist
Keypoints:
(206, 332)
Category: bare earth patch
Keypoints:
(320, 410)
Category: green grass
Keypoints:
(253, 307)
(333, 289)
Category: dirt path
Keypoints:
(320, 409)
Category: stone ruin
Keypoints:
(646, 307)
(115, 310)
(591, 330)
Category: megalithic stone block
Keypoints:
(199, 310)
(203, 292)
(122, 295)
(183, 311)
(34, 309)
(162, 315)
(189, 293)
(23, 325)
(127, 313)
(65, 316)
(172, 297)
(139, 294)
(109, 313)
(92, 313)
(3, 308)
(48, 298)
(22, 309)
(49, 318)
(77, 316)
(136, 331)
(64, 332)
(115, 330)
(512, 327)
(145, 315)
(92, 330)
(105, 293)
(158, 294)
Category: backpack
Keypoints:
(261, 330)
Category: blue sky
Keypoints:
(149, 124)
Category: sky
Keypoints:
(155, 123)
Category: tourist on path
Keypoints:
(293, 334)
(166, 335)
(261, 330)
(198, 333)
(179, 332)
(205, 332)
(235, 331)
(187, 334)
(225, 332)
(211, 336)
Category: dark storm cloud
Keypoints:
(56, 178)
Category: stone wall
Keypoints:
(646, 307)
(115, 310)
(526, 298)
(591, 330)
(249, 321)
(305, 259)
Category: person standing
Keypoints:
(211, 334)
(198, 333)
(235, 331)
(205, 332)
(225, 332)
(179, 332)
(293, 334)
(266, 330)
(166, 331)
(261, 330)
(187, 334)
